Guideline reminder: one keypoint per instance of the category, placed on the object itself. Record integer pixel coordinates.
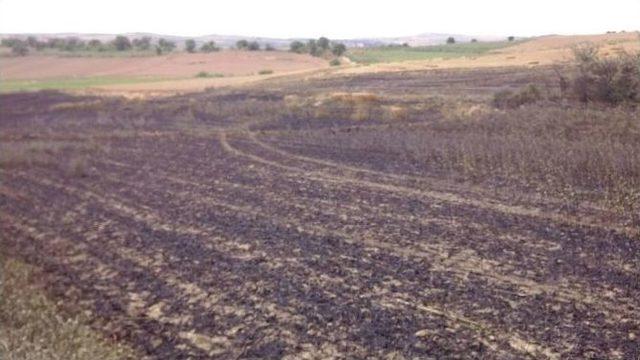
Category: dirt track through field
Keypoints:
(227, 245)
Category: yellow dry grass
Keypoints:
(545, 50)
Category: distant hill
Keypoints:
(228, 41)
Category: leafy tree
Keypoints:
(451, 40)
(73, 43)
(32, 41)
(242, 44)
(166, 46)
(312, 46)
(190, 46)
(323, 43)
(253, 46)
(122, 43)
(143, 43)
(269, 47)
(19, 48)
(296, 47)
(474, 40)
(9, 42)
(56, 43)
(95, 44)
(338, 49)
(209, 46)
(511, 38)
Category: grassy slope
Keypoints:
(71, 83)
(395, 54)
(32, 327)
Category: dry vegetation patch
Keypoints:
(34, 327)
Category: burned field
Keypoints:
(311, 219)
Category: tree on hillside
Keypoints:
(165, 46)
(312, 47)
(122, 43)
(143, 43)
(19, 48)
(253, 46)
(338, 49)
(32, 41)
(296, 47)
(209, 46)
(95, 44)
(242, 44)
(451, 40)
(190, 45)
(323, 43)
(9, 42)
(74, 43)
(511, 38)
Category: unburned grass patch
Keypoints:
(351, 106)
(70, 156)
(385, 54)
(33, 327)
(72, 83)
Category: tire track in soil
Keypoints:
(580, 295)
(357, 174)
(462, 216)
(314, 176)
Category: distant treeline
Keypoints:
(319, 47)
(22, 46)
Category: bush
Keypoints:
(265, 72)
(204, 74)
(269, 47)
(190, 45)
(451, 40)
(508, 99)
(511, 38)
(610, 81)
(335, 62)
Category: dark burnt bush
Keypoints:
(607, 80)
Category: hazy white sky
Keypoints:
(332, 18)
